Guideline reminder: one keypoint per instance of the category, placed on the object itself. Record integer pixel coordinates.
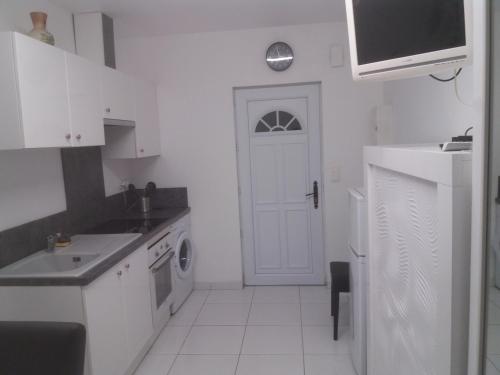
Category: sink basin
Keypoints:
(52, 263)
(84, 253)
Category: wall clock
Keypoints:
(279, 56)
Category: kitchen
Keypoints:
(167, 114)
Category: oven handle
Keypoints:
(160, 262)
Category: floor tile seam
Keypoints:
(302, 335)
(244, 331)
(189, 332)
(492, 362)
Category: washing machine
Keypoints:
(182, 264)
(358, 239)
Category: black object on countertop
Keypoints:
(113, 226)
(54, 348)
(150, 189)
(340, 284)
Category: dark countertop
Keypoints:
(173, 215)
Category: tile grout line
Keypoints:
(189, 332)
(492, 363)
(244, 331)
(302, 335)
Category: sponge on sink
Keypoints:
(63, 240)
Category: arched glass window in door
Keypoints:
(278, 121)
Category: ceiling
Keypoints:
(160, 17)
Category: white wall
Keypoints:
(425, 110)
(197, 74)
(31, 183)
(15, 16)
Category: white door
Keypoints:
(279, 165)
(85, 102)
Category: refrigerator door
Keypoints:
(358, 312)
(357, 221)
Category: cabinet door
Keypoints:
(147, 124)
(106, 324)
(43, 94)
(118, 95)
(137, 301)
(85, 102)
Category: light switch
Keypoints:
(335, 173)
(336, 55)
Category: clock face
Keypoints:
(279, 56)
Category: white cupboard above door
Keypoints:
(33, 92)
(85, 102)
(147, 127)
(118, 95)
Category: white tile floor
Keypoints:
(255, 331)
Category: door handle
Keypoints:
(315, 194)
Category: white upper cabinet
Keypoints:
(48, 98)
(143, 139)
(118, 95)
(33, 85)
(147, 126)
(85, 101)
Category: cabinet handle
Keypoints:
(127, 266)
(142, 150)
(119, 273)
(108, 110)
(68, 136)
(78, 137)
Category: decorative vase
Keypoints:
(39, 31)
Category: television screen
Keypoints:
(391, 29)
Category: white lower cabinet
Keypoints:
(118, 314)
(136, 300)
(106, 324)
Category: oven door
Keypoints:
(161, 289)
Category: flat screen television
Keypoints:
(392, 39)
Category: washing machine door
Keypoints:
(183, 256)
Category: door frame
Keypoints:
(245, 181)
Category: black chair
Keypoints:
(42, 348)
(340, 284)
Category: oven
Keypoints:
(160, 258)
